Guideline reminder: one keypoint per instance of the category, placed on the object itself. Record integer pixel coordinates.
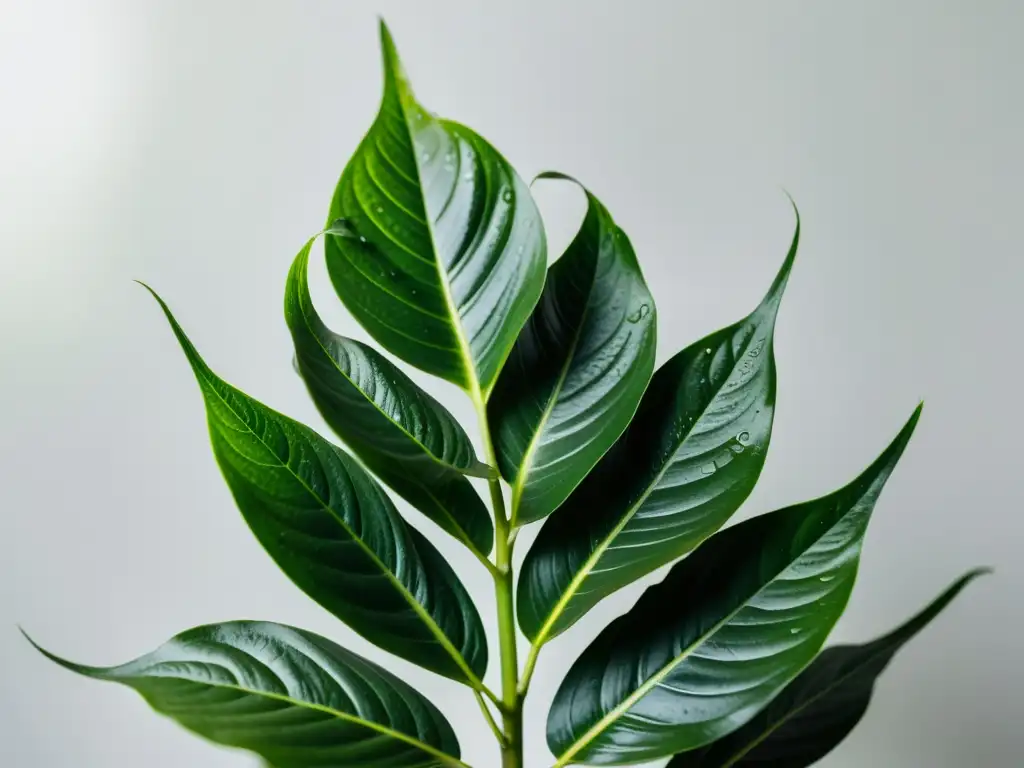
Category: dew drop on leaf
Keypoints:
(743, 438)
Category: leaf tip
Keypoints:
(792, 202)
(70, 665)
(915, 417)
(393, 72)
(382, 26)
(195, 360)
(773, 298)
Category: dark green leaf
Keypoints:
(293, 697)
(576, 374)
(820, 707)
(706, 649)
(446, 255)
(690, 457)
(401, 433)
(335, 533)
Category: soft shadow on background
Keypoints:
(196, 144)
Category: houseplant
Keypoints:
(435, 246)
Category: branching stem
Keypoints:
(504, 579)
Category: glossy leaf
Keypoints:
(408, 439)
(820, 708)
(446, 257)
(575, 377)
(689, 458)
(706, 649)
(293, 697)
(335, 533)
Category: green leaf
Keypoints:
(820, 707)
(688, 459)
(446, 255)
(706, 649)
(292, 697)
(402, 434)
(335, 533)
(575, 377)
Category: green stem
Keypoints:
(512, 752)
(512, 703)
(531, 663)
(495, 729)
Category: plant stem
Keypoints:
(513, 714)
(531, 663)
(495, 729)
(512, 703)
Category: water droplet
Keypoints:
(708, 469)
(467, 176)
(826, 579)
(507, 195)
(425, 157)
(380, 209)
(707, 350)
(362, 239)
(743, 438)
(703, 380)
(295, 364)
(794, 631)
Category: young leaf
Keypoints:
(336, 534)
(406, 437)
(820, 707)
(578, 369)
(292, 697)
(689, 458)
(706, 649)
(446, 256)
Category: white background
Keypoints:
(196, 144)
